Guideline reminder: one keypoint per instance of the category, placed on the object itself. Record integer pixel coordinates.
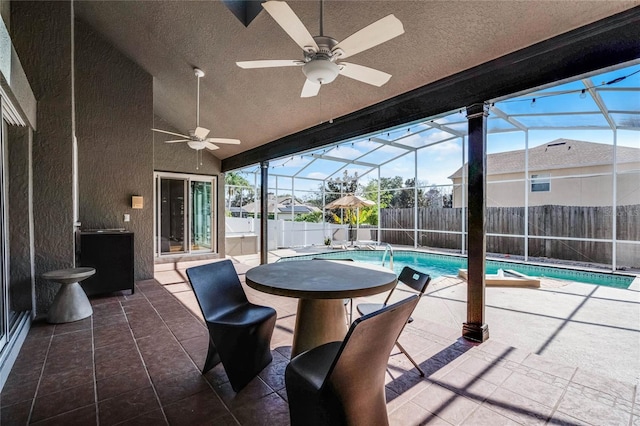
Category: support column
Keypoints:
(264, 212)
(475, 328)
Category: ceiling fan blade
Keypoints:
(309, 89)
(178, 140)
(211, 146)
(201, 132)
(270, 63)
(224, 141)
(170, 133)
(372, 35)
(364, 74)
(291, 24)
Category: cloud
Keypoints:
(346, 152)
(366, 145)
(446, 148)
(317, 175)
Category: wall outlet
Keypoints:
(127, 218)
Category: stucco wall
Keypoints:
(114, 112)
(41, 34)
(20, 284)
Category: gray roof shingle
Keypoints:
(557, 154)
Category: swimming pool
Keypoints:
(437, 265)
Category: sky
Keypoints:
(442, 154)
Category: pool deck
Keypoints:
(596, 328)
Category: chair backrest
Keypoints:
(358, 370)
(217, 288)
(416, 280)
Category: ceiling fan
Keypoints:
(321, 53)
(197, 138)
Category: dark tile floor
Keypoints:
(136, 362)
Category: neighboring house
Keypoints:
(237, 212)
(284, 207)
(562, 172)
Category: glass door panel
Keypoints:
(201, 216)
(4, 282)
(172, 216)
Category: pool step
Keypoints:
(510, 278)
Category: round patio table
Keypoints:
(320, 286)
(71, 302)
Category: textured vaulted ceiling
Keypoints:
(169, 38)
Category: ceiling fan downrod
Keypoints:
(321, 18)
(199, 73)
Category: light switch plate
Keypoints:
(127, 218)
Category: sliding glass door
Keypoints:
(202, 216)
(184, 214)
(172, 215)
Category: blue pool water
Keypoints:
(437, 265)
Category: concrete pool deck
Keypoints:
(592, 327)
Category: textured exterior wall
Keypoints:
(20, 283)
(114, 111)
(41, 34)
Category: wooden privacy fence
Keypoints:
(544, 221)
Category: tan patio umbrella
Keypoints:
(350, 201)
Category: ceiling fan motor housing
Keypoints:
(320, 66)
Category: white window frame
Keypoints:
(540, 179)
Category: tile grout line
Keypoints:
(95, 378)
(554, 409)
(633, 403)
(184, 351)
(144, 364)
(44, 363)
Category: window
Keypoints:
(540, 183)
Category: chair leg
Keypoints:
(349, 312)
(415, 364)
(213, 358)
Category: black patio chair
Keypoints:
(239, 331)
(415, 280)
(342, 383)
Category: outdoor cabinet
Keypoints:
(111, 254)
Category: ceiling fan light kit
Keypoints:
(321, 54)
(198, 145)
(321, 71)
